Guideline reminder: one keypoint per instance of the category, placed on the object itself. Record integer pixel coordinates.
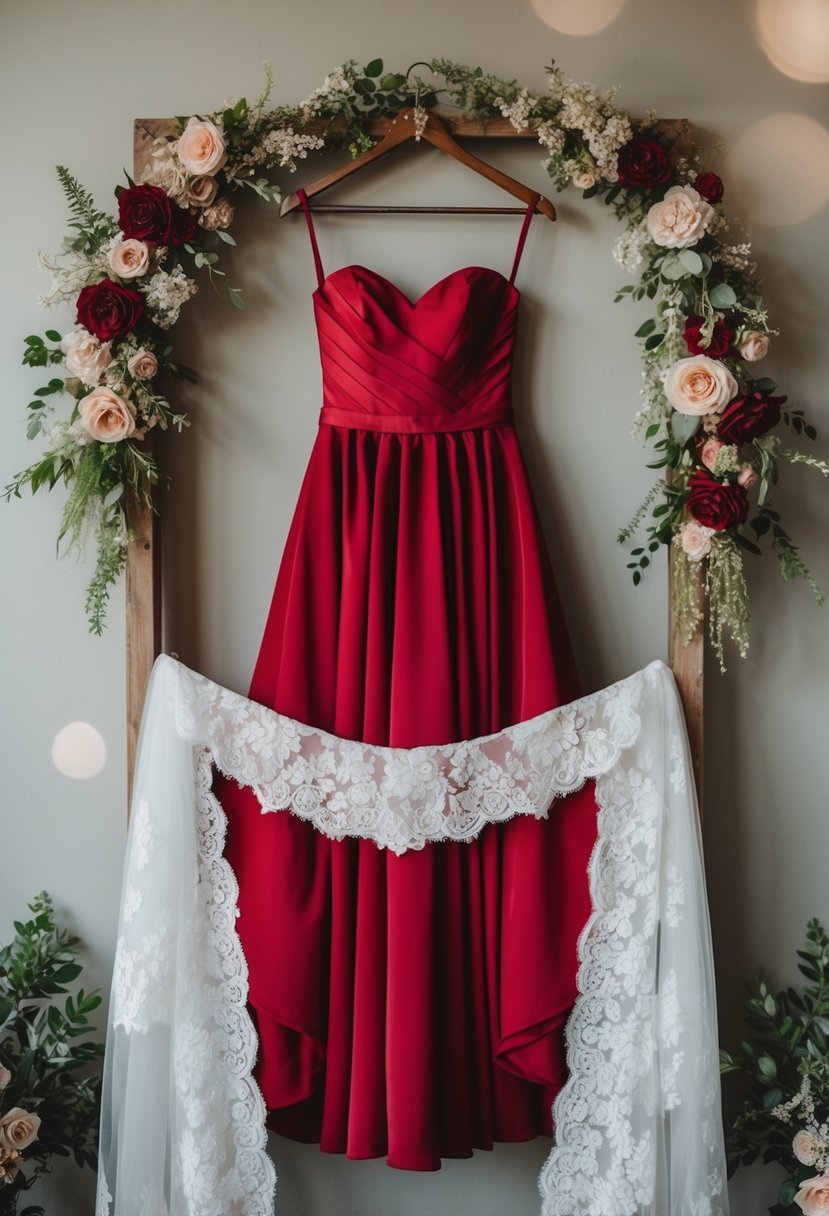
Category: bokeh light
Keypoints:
(579, 17)
(79, 750)
(778, 169)
(795, 37)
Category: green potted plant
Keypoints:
(49, 1082)
(785, 1111)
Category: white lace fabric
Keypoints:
(638, 1129)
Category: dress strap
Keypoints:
(522, 236)
(303, 199)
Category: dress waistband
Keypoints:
(413, 424)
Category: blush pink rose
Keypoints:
(86, 357)
(708, 455)
(106, 416)
(695, 540)
(201, 147)
(813, 1196)
(754, 345)
(680, 219)
(747, 477)
(143, 364)
(699, 385)
(18, 1129)
(201, 191)
(130, 258)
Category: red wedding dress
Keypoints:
(413, 1006)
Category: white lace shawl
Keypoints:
(638, 1129)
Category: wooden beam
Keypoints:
(143, 571)
(687, 663)
(143, 593)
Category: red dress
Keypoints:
(413, 1006)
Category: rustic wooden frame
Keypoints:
(144, 591)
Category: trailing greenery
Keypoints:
(729, 611)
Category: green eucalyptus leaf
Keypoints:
(691, 260)
(374, 68)
(683, 426)
(647, 327)
(722, 296)
(672, 268)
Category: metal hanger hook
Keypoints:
(421, 63)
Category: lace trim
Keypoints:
(250, 1185)
(628, 1034)
(402, 798)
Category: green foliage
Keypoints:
(786, 1065)
(46, 1044)
(93, 227)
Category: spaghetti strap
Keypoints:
(522, 236)
(303, 199)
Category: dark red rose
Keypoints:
(643, 162)
(716, 504)
(710, 187)
(744, 418)
(109, 310)
(721, 338)
(147, 213)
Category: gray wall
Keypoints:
(72, 79)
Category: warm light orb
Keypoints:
(779, 169)
(79, 750)
(794, 34)
(578, 17)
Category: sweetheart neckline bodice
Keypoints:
(414, 302)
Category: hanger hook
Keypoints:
(421, 63)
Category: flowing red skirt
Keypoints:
(412, 1007)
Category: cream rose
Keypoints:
(680, 219)
(201, 148)
(106, 416)
(5, 1076)
(220, 215)
(86, 357)
(699, 385)
(143, 365)
(754, 345)
(748, 478)
(695, 540)
(18, 1129)
(813, 1196)
(806, 1147)
(201, 191)
(129, 258)
(585, 179)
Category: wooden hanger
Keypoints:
(402, 130)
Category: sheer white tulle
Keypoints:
(638, 1130)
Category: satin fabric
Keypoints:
(426, 994)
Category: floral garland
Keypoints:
(713, 424)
